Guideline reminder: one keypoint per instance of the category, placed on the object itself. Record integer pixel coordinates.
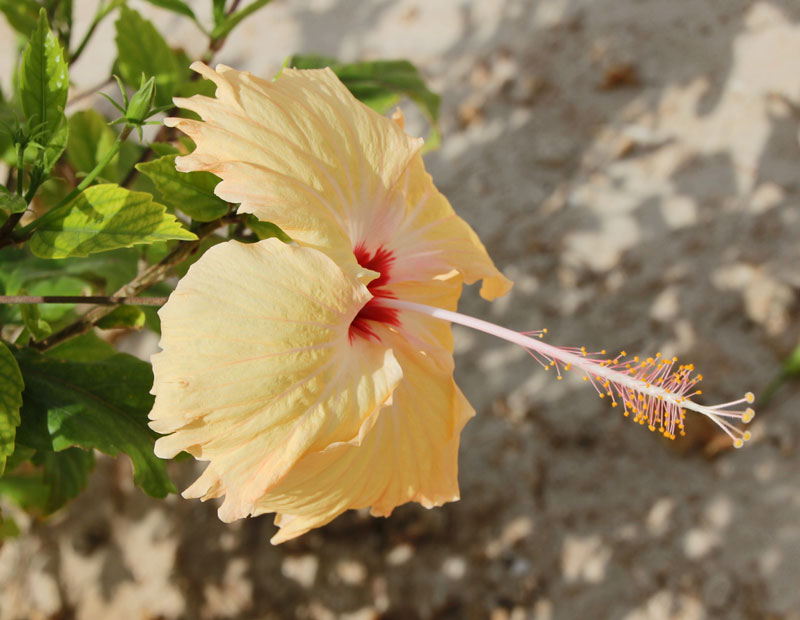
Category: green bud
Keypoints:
(141, 104)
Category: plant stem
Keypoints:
(100, 300)
(25, 232)
(143, 281)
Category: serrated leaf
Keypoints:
(90, 138)
(102, 405)
(379, 83)
(176, 6)
(224, 28)
(11, 387)
(142, 50)
(190, 192)
(11, 203)
(43, 82)
(104, 217)
(124, 316)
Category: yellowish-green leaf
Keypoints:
(43, 82)
(11, 386)
(11, 203)
(90, 138)
(190, 192)
(124, 316)
(37, 327)
(104, 217)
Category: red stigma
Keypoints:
(380, 261)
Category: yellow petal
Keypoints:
(257, 366)
(303, 153)
(300, 150)
(408, 451)
(432, 239)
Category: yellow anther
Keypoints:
(738, 443)
(750, 397)
(747, 435)
(747, 416)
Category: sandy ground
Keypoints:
(634, 165)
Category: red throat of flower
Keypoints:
(374, 311)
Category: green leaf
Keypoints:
(379, 83)
(176, 6)
(86, 348)
(61, 477)
(142, 50)
(11, 387)
(29, 492)
(8, 529)
(266, 230)
(90, 138)
(36, 325)
(11, 203)
(101, 404)
(54, 149)
(222, 30)
(124, 316)
(60, 284)
(66, 474)
(218, 10)
(43, 82)
(105, 273)
(21, 14)
(190, 192)
(101, 218)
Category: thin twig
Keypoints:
(143, 281)
(100, 300)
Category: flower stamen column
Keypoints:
(653, 389)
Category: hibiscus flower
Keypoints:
(317, 376)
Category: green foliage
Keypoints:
(190, 192)
(60, 477)
(224, 24)
(90, 138)
(176, 6)
(21, 14)
(101, 218)
(124, 316)
(96, 404)
(11, 386)
(43, 83)
(141, 50)
(35, 325)
(266, 230)
(11, 203)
